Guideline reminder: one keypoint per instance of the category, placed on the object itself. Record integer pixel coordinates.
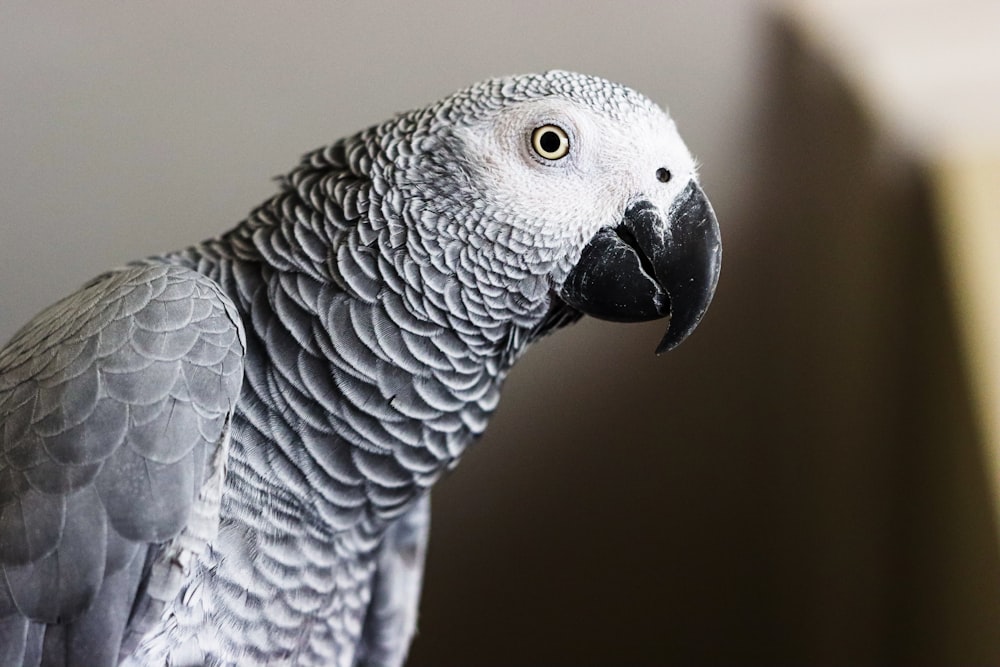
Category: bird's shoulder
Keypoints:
(114, 404)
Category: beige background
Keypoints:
(794, 484)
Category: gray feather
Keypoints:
(392, 616)
(100, 451)
(222, 456)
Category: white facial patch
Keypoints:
(611, 162)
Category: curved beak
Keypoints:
(650, 267)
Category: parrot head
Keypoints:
(559, 192)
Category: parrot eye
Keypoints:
(663, 175)
(550, 142)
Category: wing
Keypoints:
(114, 409)
(392, 614)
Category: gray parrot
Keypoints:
(223, 455)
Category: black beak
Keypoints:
(647, 267)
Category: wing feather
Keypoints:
(391, 620)
(114, 409)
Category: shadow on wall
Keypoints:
(798, 483)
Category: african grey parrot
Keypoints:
(223, 455)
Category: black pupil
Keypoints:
(549, 141)
(663, 175)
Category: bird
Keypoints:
(223, 455)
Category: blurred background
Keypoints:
(807, 480)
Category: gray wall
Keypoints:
(788, 486)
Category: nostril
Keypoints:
(663, 175)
